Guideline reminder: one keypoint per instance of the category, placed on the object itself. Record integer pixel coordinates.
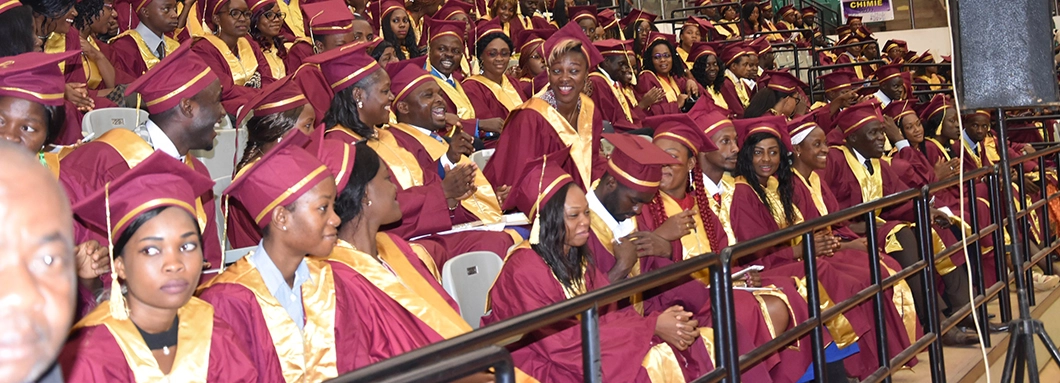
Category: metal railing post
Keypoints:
(813, 299)
(927, 279)
(1000, 255)
(591, 346)
(1025, 224)
(976, 262)
(879, 299)
(732, 362)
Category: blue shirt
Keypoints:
(289, 297)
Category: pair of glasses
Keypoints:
(235, 14)
(661, 55)
(494, 54)
(270, 15)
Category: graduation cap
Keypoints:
(569, 32)
(700, 49)
(181, 74)
(137, 5)
(760, 45)
(784, 81)
(579, 12)
(327, 18)
(710, 119)
(405, 76)
(683, 129)
(842, 31)
(936, 105)
(894, 43)
(704, 25)
(9, 5)
(612, 47)
(159, 181)
(854, 117)
(900, 108)
(800, 127)
(636, 163)
(379, 11)
(435, 28)
(336, 155)
(925, 58)
(278, 97)
(282, 175)
(346, 65)
(733, 51)
(775, 125)
(606, 18)
(34, 76)
(837, 80)
(785, 10)
(451, 8)
(527, 38)
(636, 15)
(659, 36)
(255, 5)
(808, 11)
(540, 179)
(863, 33)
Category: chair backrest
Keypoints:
(468, 278)
(481, 157)
(99, 121)
(219, 185)
(236, 254)
(225, 148)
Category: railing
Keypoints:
(482, 348)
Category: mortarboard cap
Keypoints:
(378, 11)
(579, 12)
(436, 28)
(800, 127)
(888, 72)
(900, 108)
(925, 58)
(700, 49)
(484, 28)
(346, 65)
(606, 18)
(572, 31)
(705, 26)
(760, 45)
(681, 128)
(842, 31)
(256, 5)
(936, 105)
(612, 47)
(528, 38)
(636, 15)
(808, 11)
(775, 125)
(34, 76)
(280, 96)
(659, 36)
(182, 74)
(784, 81)
(837, 80)
(733, 51)
(451, 8)
(856, 116)
(405, 76)
(282, 175)
(540, 179)
(636, 163)
(8, 5)
(328, 17)
(336, 155)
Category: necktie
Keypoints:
(161, 50)
(436, 137)
(868, 166)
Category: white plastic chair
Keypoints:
(236, 254)
(99, 121)
(468, 278)
(481, 157)
(219, 185)
(219, 160)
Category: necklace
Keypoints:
(163, 340)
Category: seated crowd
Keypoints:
(616, 150)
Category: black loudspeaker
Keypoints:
(1004, 53)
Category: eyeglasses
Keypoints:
(494, 54)
(270, 15)
(661, 55)
(235, 14)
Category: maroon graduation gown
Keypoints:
(610, 106)
(648, 81)
(728, 92)
(232, 95)
(297, 54)
(485, 102)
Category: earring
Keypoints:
(284, 228)
(369, 202)
(360, 105)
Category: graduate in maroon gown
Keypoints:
(137, 50)
(281, 304)
(230, 54)
(857, 175)
(278, 109)
(611, 88)
(182, 96)
(738, 66)
(556, 118)
(664, 69)
(329, 24)
(265, 28)
(157, 329)
(493, 94)
(531, 56)
(555, 265)
(839, 93)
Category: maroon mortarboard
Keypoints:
(379, 10)
(785, 10)
(612, 47)
(863, 33)
(211, 8)
(700, 49)
(435, 28)
(842, 31)
(766, 5)
(572, 31)
(635, 162)
(891, 44)
(837, 80)
(405, 76)
(579, 12)
(683, 129)
(848, 39)
(329, 17)
(337, 156)
(733, 51)
(947, 59)
(775, 125)
(453, 7)
(704, 25)
(606, 18)
(9, 5)
(925, 58)
(34, 76)
(636, 15)
(800, 127)
(528, 39)
(854, 117)
(136, 4)
(280, 96)
(659, 36)
(182, 74)
(710, 119)
(282, 175)
(760, 45)
(539, 180)
(808, 11)
(784, 81)
(888, 72)
(909, 56)
(311, 82)
(936, 105)
(900, 108)
(484, 28)
(256, 5)
(157, 181)
(346, 65)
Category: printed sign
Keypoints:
(870, 10)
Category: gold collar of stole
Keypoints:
(843, 333)
(401, 162)
(276, 65)
(579, 139)
(607, 239)
(194, 335)
(989, 146)
(294, 17)
(504, 92)
(456, 94)
(741, 89)
(728, 187)
(617, 92)
(145, 51)
(719, 100)
(871, 185)
(938, 145)
(242, 66)
(972, 153)
(813, 183)
(693, 244)
(483, 204)
(338, 128)
(57, 44)
(776, 207)
(407, 288)
(669, 86)
(306, 356)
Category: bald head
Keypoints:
(36, 265)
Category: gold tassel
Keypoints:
(117, 301)
(224, 232)
(938, 131)
(535, 231)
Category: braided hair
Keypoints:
(658, 213)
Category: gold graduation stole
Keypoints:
(146, 52)
(607, 239)
(504, 92)
(727, 30)
(684, 57)
(276, 65)
(579, 139)
(719, 100)
(989, 147)
(456, 94)
(197, 29)
(871, 185)
(941, 148)
(242, 66)
(741, 89)
(56, 43)
(294, 17)
(721, 209)
(669, 86)
(308, 356)
(194, 335)
(695, 243)
(483, 203)
(933, 80)
(813, 183)
(616, 90)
